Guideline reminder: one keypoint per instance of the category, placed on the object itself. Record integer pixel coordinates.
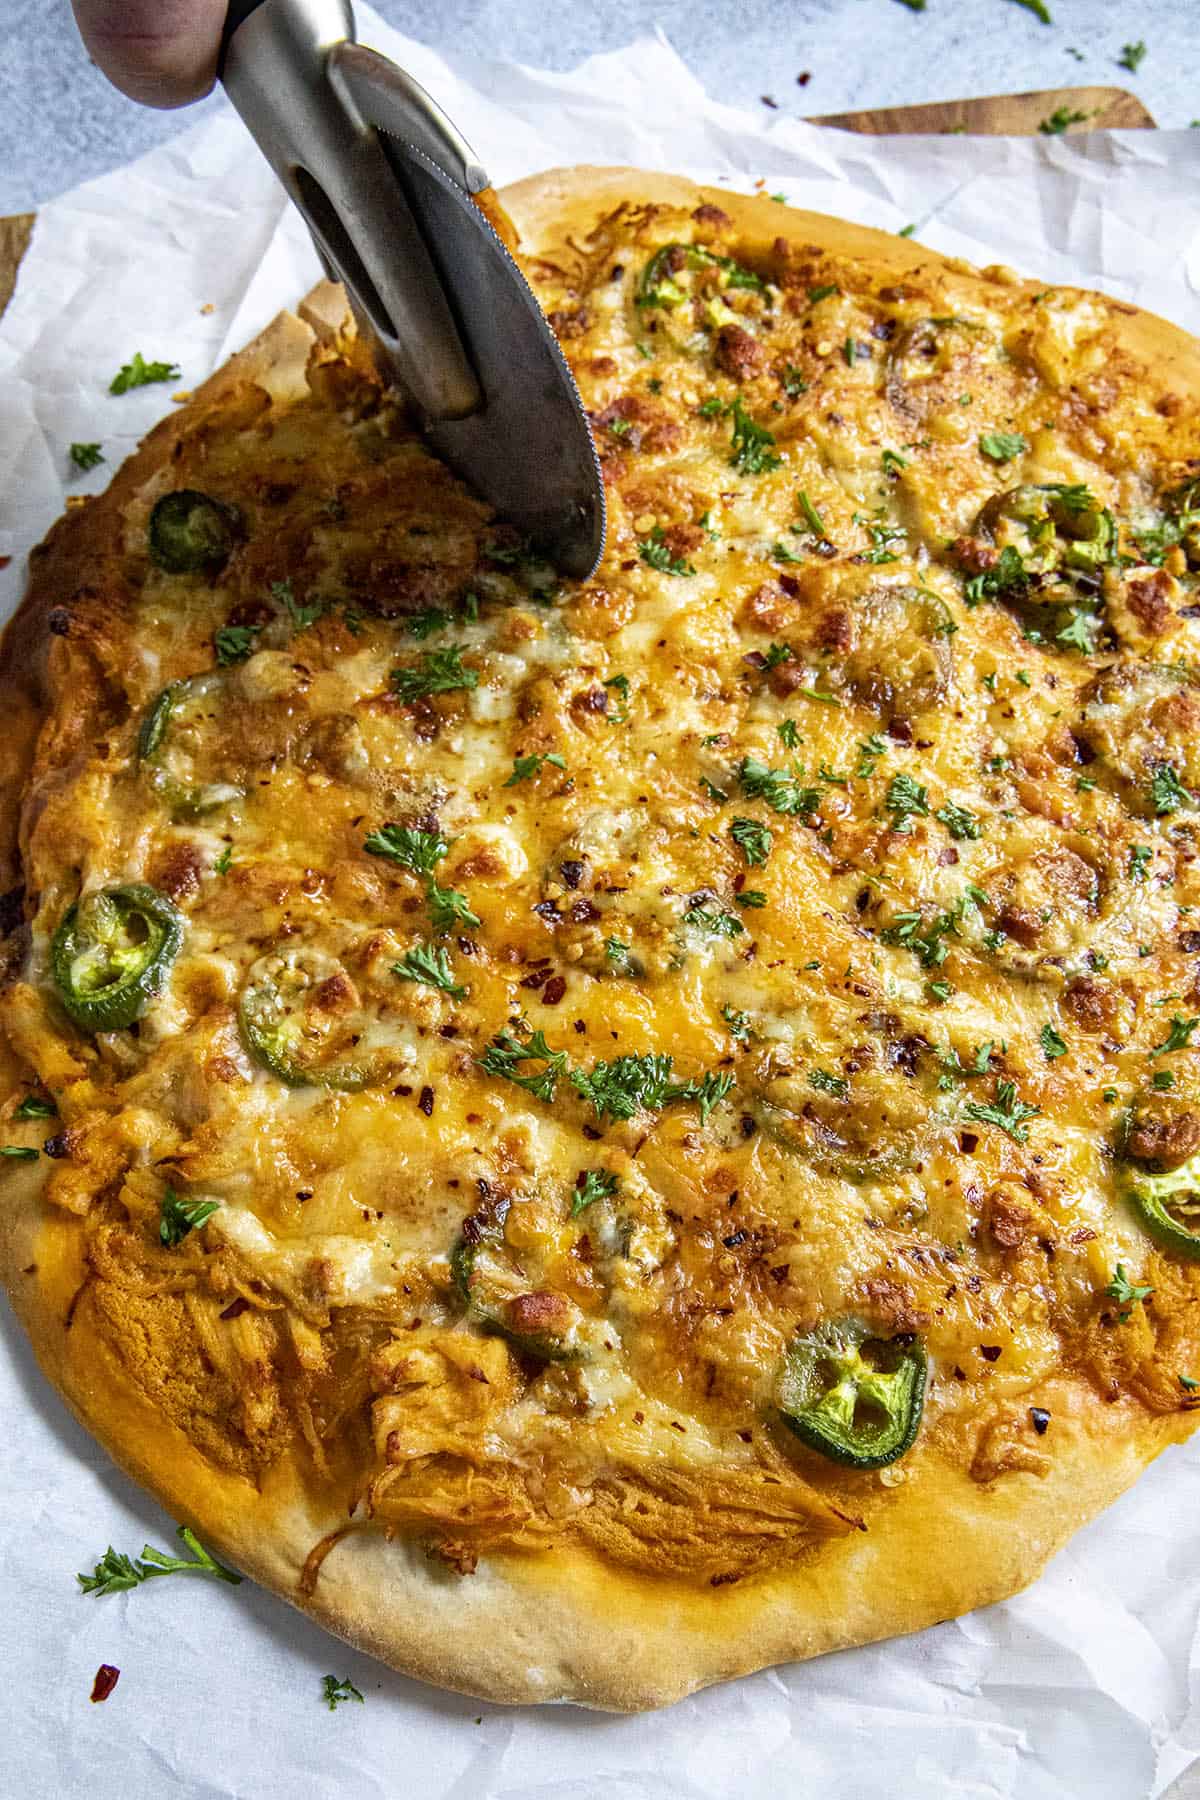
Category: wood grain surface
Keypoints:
(1003, 115)
(1016, 115)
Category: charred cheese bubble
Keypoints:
(627, 1063)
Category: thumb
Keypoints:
(161, 52)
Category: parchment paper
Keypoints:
(1087, 1684)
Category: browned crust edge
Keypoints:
(565, 1626)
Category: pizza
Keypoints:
(598, 1136)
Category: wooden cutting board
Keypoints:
(1013, 115)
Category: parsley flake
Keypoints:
(335, 1691)
(525, 766)
(1178, 1037)
(504, 1057)
(86, 456)
(1124, 1292)
(438, 672)
(1053, 1046)
(1007, 1111)
(753, 839)
(115, 1573)
(430, 965)
(656, 553)
(753, 450)
(140, 373)
(592, 1184)
(178, 1216)
(1002, 446)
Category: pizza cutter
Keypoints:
(387, 188)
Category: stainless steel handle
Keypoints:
(277, 66)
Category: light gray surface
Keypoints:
(60, 122)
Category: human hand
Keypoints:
(161, 52)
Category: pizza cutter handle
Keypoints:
(276, 58)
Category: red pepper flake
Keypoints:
(773, 104)
(554, 990)
(425, 1101)
(236, 1308)
(803, 79)
(106, 1680)
(989, 1352)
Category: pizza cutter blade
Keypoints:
(387, 187)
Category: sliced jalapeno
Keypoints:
(854, 1397)
(301, 1018)
(657, 285)
(186, 799)
(1168, 1206)
(190, 531)
(497, 1297)
(111, 954)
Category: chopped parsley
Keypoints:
(438, 672)
(1178, 1037)
(224, 862)
(86, 456)
(794, 383)
(1080, 632)
(34, 1107)
(1167, 792)
(788, 733)
(233, 643)
(778, 653)
(893, 462)
(620, 687)
(1038, 8)
(19, 1152)
(905, 799)
(592, 1184)
(504, 1056)
(448, 908)
(1124, 1292)
(753, 450)
(429, 964)
(140, 373)
(753, 839)
(1132, 56)
(335, 1691)
(525, 766)
(114, 1573)
(926, 939)
(738, 1023)
(751, 897)
(816, 294)
(302, 614)
(959, 821)
(418, 851)
(826, 1083)
(627, 1085)
(812, 517)
(781, 791)
(715, 922)
(1140, 856)
(1007, 1111)
(1053, 1046)
(178, 1215)
(655, 551)
(424, 624)
(1061, 117)
(1002, 446)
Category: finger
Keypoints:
(161, 52)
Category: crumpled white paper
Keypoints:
(1089, 1684)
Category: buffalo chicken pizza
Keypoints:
(599, 1136)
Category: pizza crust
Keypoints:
(563, 1626)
